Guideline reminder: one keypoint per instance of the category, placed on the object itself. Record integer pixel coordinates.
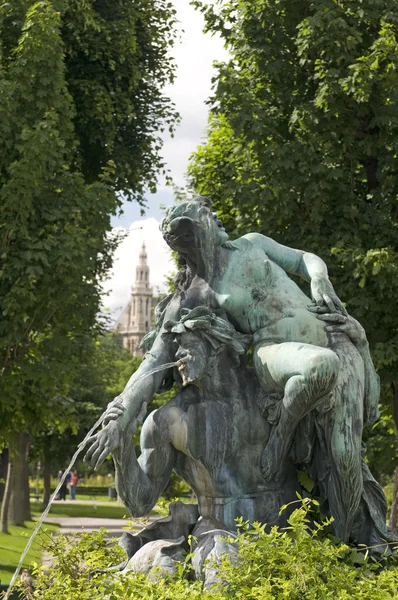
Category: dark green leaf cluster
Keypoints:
(302, 142)
(117, 62)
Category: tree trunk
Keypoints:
(19, 508)
(3, 471)
(394, 508)
(7, 497)
(47, 481)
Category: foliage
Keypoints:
(81, 109)
(116, 63)
(12, 545)
(381, 446)
(100, 375)
(176, 488)
(302, 146)
(293, 563)
(49, 293)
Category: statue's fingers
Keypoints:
(339, 304)
(101, 458)
(112, 415)
(117, 404)
(90, 451)
(91, 439)
(335, 328)
(110, 419)
(346, 328)
(318, 299)
(332, 318)
(101, 448)
(329, 303)
(318, 309)
(115, 410)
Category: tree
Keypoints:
(302, 146)
(100, 376)
(80, 83)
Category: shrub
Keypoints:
(299, 562)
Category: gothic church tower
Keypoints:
(136, 319)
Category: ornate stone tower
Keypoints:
(136, 319)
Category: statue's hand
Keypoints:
(103, 443)
(344, 324)
(323, 294)
(114, 410)
(109, 439)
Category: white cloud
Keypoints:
(194, 56)
(126, 260)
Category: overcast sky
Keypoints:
(194, 57)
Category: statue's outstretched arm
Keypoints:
(140, 391)
(128, 408)
(305, 264)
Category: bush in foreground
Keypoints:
(299, 562)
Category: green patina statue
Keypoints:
(238, 434)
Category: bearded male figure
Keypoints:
(212, 433)
(298, 356)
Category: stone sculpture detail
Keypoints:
(237, 434)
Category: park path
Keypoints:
(76, 525)
(88, 524)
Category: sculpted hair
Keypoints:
(216, 330)
(180, 225)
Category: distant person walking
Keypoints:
(63, 489)
(74, 478)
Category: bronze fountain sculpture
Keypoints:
(237, 433)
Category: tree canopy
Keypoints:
(80, 83)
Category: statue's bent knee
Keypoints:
(321, 371)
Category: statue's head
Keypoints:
(191, 224)
(201, 336)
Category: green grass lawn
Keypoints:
(113, 511)
(13, 544)
(96, 498)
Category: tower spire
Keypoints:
(143, 256)
(136, 321)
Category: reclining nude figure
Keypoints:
(296, 355)
(212, 433)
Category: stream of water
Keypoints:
(80, 448)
